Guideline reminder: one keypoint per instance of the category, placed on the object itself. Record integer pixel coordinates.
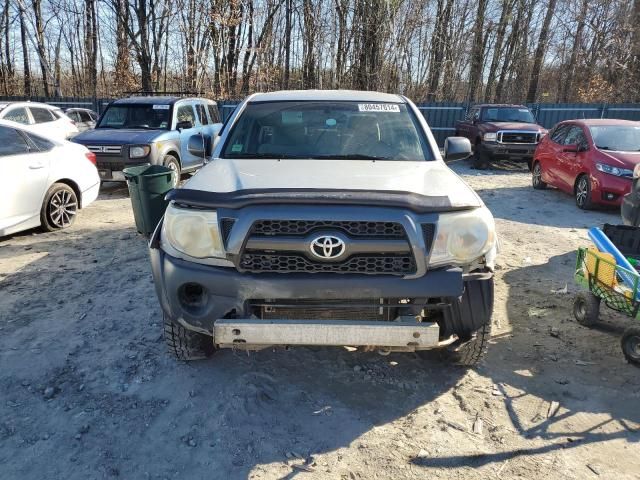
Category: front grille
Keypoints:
(428, 232)
(303, 227)
(518, 137)
(363, 264)
(105, 149)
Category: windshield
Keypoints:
(136, 116)
(616, 137)
(511, 114)
(327, 130)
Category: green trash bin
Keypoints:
(148, 185)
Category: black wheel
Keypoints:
(172, 162)
(586, 309)
(469, 319)
(185, 344)
(631, 345)
(583, 192)
(536, 177)
(479, 158)
(530, 165)
(59, 207)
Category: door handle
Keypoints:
(36, 166)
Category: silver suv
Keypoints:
(326, 218)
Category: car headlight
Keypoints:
(139, 151)
(618, 172)
(193, 232)
(463, 237)
(490, 137)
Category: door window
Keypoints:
(11, 142)
(185, 114)
(202, 114)
(19, 115)
(73, 116)
(559, 133)
(84, 116)
(41, 115)
(213, 113)
(575, 136)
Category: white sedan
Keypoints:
(45, 181)
(39, 118)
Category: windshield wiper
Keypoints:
(602, 148)
(351, 156)
(272, 156)
(145, 127)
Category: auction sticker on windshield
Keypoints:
(378, 107)
(161, 107)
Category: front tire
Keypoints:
(469, 319)
(480, 159)
(184, 344)
(536, 177)
(59, 208)
(173, 163)
(583, 193)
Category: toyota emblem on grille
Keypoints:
(327, 247)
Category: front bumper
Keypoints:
(227, 292)
(510, 151)
(608, 189)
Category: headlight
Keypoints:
(463, 237)
(618, 172)
(139, 151)
(193, 232)
(490, 137)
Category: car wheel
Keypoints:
(480, 159)
(586, 309)
(185, 344)
(630, 343)
(172, 162)
(536, 177)
(59, 207)
(583, 192)
(469, 318)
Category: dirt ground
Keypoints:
(88, 391)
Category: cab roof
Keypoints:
(500, 105)
(592, 122)
(330, 95)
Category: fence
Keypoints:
(441, 116)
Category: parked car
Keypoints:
(84, 118)
(139, 130)
(500, 132)
(46, 181)
(39, 118)
(326, 218)
(591, 159)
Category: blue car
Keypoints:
(151, 130)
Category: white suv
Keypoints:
(40, 118)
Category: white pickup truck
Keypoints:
(326, 218)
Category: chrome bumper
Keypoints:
(255, 334)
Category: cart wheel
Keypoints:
(631, 345)
(586, 309)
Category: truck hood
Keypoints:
(526, 127)
(112, 136)
(426, 179)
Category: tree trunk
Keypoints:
(25, 54)
(540, 52)
(570, 69)
(477, 52)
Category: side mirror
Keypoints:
(197, 146)
(583, 147)
(184, 125)
(456, 148)
(570, 149)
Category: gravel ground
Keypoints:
(88, 391)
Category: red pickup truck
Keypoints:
(499, 132)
